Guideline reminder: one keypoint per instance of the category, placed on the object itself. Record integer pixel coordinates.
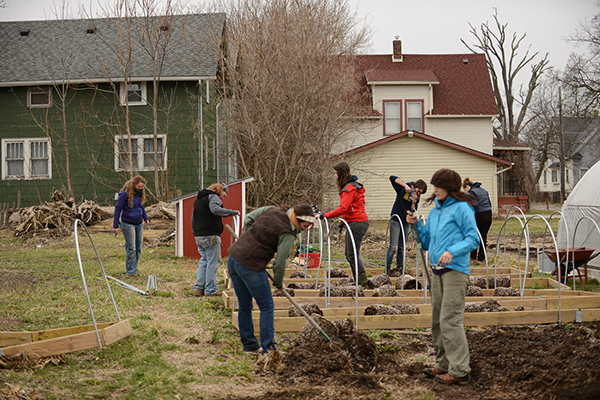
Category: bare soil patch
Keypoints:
(511, 362)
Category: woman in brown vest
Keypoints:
(266, 231)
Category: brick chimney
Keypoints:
(397, 54)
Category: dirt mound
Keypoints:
(509, 362)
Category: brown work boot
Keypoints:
(449, 379)
(198, 293)
(213, 294)
(433, 371)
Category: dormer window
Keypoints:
(414, 115)
(392, 120)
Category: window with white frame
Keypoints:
(143, 156)
(133, 93)
(545, 178)
(554, 176)
(26, 159)
(391, 114)
(39, 97)
(414, 115)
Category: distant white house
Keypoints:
(582, 151)
(427, 112)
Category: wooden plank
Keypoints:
(367, 322)
(13, 338)
(580, 302)
(337, 302)
(115, 332)
(73, 342)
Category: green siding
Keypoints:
(94, 117)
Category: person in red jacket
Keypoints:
(352, 210)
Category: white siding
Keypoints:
(411, 159)
(550, 186)
(366, 131)
(472, 132)
(400, 92)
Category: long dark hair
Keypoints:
(343, 173)
(450, 180)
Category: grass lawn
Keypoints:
(179, 342)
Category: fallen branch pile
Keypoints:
(58, 213)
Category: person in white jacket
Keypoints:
(450, 234)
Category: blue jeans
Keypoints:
(396, 243)
(209, 248)
(249, 284)
(358, 230)
(134, 238)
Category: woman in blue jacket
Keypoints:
(450, 234)
(130, 210)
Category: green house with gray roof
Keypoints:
(86, 103)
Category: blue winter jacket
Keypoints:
(450, 227)
(134, 216)
(483, 199)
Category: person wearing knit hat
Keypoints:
(352, 210)
(450, 234)
(207, 226)
(266, 231)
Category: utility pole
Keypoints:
(562, 149)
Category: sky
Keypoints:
(424, 26)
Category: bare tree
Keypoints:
(144, 30)
(583, 70)
(541, 133)
(504, 63)
(59, 51)
(290, 90)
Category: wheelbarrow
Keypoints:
(583, 255)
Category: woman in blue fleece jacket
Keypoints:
(450, 235)
(130, 210)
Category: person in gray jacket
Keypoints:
(483, 214)
(207, 226)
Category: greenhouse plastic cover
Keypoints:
(583, 203)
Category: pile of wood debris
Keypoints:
(58, 213)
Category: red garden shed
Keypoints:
(185, 245)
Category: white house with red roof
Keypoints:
(426, 112)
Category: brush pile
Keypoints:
(58, 213)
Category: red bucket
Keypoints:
(313, 259)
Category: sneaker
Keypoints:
(257, 352)
(198, 293)
(449, 379)
(433, 371)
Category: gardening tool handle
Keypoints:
(290, 298)
(418, 239)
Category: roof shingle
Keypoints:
(63, 50)
(464, 85)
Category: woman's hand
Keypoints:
(445, 259)
(115, 231)
(411, 218)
